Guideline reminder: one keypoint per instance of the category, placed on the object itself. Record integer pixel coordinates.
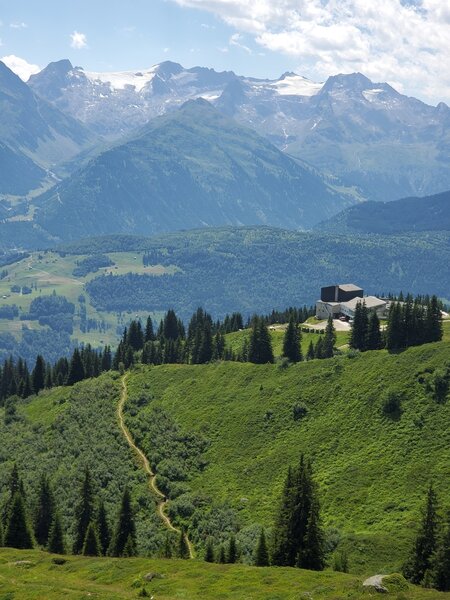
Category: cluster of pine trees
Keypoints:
(411, 322)
(92, 533)
(298, 535)
(298, 538)
(429, 561)
(16, 379)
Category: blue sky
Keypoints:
(404, 42)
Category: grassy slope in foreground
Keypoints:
(372, 469)
(114, 579)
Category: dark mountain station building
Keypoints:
(341, 300)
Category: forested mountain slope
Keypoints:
(192, 168)
(431, 213)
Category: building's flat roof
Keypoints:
(329, 303)
(370, 302)
(349, 287)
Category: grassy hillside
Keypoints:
(372, 467)
(62, 431)
(32, 575)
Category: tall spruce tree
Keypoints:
(260, 346)
(310, 354)
(394, 331)
(45, 512)
(149, 331)
(261, 552)
(17, 533)
(104, 535)
(232, 550)
(313, 554)
(329, 340)
(183, 547)
(292, 342)
(441, 571)
(91, 545)
(283, 542)
(298, 537)
(360, 326)
(421, 559)
(76, 369)
(125, 528)
(84, 512)
(209, 551)
(56, 536)
(374, 340)
(38, 374)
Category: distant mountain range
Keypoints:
(191, 168)
(431, 213)
(383, 143)
(85, 153)
(35, 136)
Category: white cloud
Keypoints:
(236, 40)
(20, 66)
(21, 25)
(403, 42)
(78, 40)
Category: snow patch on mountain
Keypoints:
(295, 85)
(120, 80)
(372, 95)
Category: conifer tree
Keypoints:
(130, 548)
(167, 548)
(232, 550)
(221, 558)
(209, 551)
(84, 512)
(313, 554)
(441, 572)
(56, 536)
(282, 546)
(298, 538)
(91, 545)
(425, 544)
(149, 332)
(183, 548)
(329, 339)
(310, 354)
(260, 346)
(433, 322)
(261, 552)
(394, 331)
(125, 528)
(374, 341)
(104, 535)
(17, 533)
(292, 342)
(206, 345)
(76, 369)
(1, 534)
(44, 513)
(38, 375)
(359, 331)
(318, 348)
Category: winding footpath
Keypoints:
(160, 497)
